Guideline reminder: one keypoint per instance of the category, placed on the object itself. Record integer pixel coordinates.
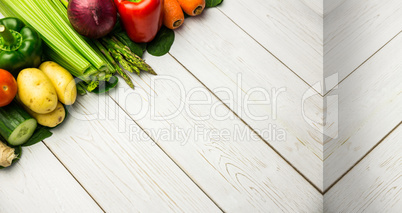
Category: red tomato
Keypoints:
(8, 87)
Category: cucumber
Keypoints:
(16, 125)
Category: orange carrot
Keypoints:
(192, 7)
(173, 16)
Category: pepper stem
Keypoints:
(7, 36)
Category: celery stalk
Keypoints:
(49, 33)
(61, 10)
(65, 3)
(94, 45)
(6, 11)
(70, 34)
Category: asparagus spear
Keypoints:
(105, 52)
(136, 70)
(136, 48)
(114, 64)
(118, 57)
(124, 75)
(130, 56)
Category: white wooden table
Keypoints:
(260, 106)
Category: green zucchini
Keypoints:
(16, 125)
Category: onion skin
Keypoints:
(92, 18)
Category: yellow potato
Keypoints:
(36, 91)
(51, 119)
(62, 80)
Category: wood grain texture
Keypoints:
(369, 105)
(240, 173)
(375, 184)
(224, 58)
(316, 5)
(39, 183)
(122, 172)
(355, 30)
(290, 30)
(331, 5)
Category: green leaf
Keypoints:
(39, 135)
(161, 43)
(212, 3)
(105, 86)
(136, 48)
(117, 27)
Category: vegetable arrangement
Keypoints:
(53, 50)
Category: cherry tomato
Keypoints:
(8, 87)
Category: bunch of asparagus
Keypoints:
(115, 50)
(118, 53)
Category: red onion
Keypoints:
(92, 18)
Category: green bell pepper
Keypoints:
(20, 46)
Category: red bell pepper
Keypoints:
(142, 19)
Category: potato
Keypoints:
(62, 80)
(36, 91)
(51, 119)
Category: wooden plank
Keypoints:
(290, 30)
(357, 29)
(369, 108)
(240, 173)
(122, 172)
(316, 5)
(224, 58)
(39, 183)
(331, 5)
(375, 184)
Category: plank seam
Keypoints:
(364, 156)
(273, 55)
(365, 61)
(74, 177)
(157, 144)
(244, 122)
